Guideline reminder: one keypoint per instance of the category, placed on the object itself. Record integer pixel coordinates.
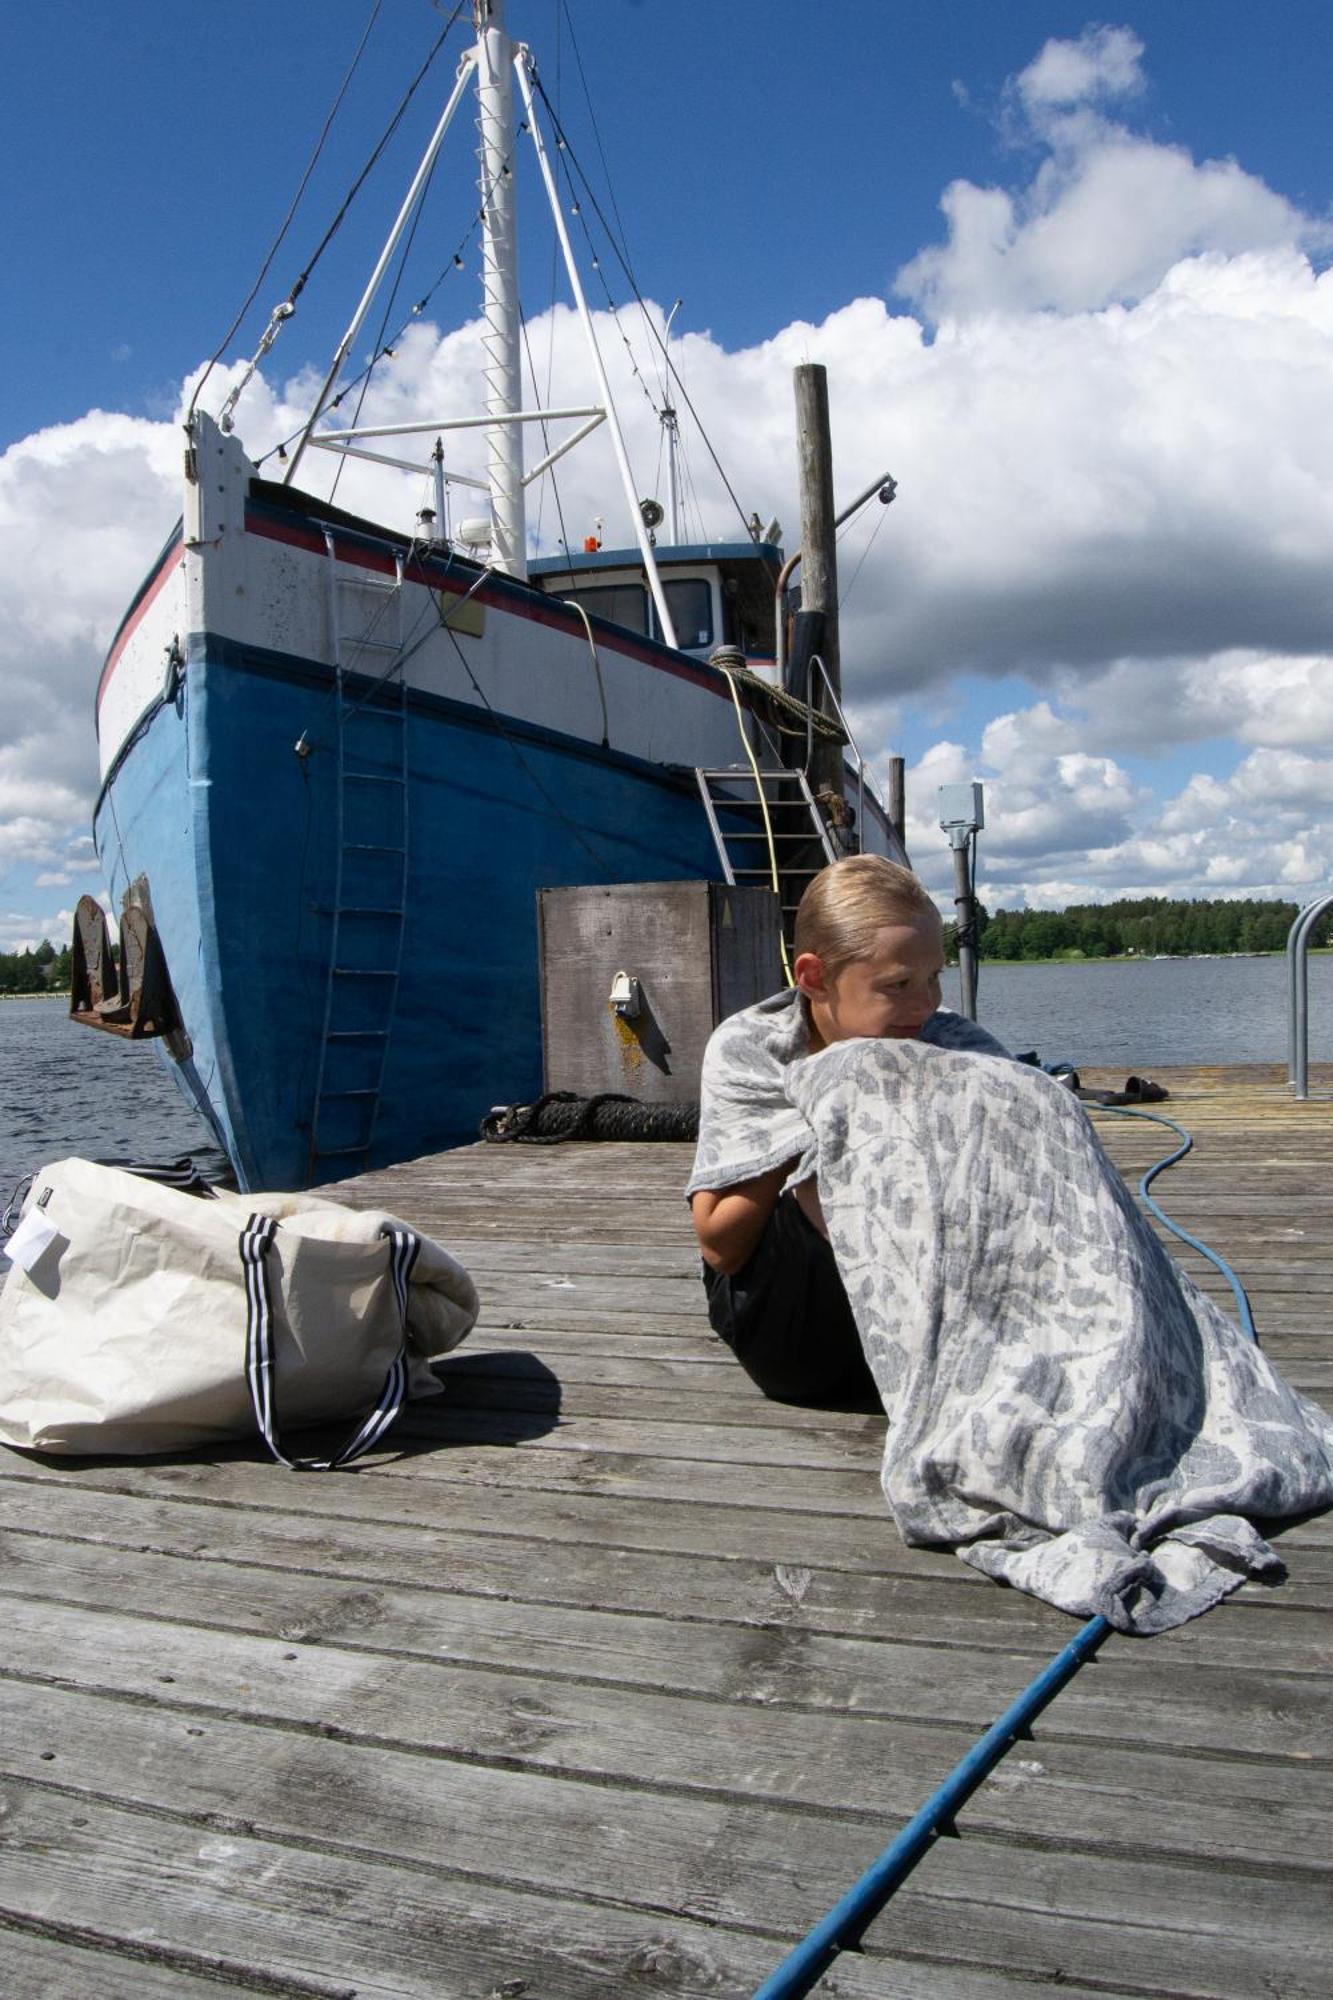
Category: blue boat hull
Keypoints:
(237, 833)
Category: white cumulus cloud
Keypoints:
(1108, 212)
(1110, 414)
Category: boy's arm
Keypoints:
(730, 1222)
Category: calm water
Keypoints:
(65, 1089)
(1136, 1012)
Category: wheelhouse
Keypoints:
(718, 593)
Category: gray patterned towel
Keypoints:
(1066, 1408)
(747, 1123)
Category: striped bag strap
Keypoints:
(182, 1174)
(260, 1362)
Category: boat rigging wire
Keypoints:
(276, 244)
(373, 161)
(623, 240)
(672, 371)
(850, 584)
(455, 263)
(545, 430)
(841, 1929)
(563, 155)
(384, 348)
(522, 761)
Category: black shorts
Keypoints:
(785, 1316)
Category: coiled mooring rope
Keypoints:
(562, 1114)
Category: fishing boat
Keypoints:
(339, 759)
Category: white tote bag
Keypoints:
(136, 1318)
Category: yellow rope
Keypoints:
(572, 604)
(768, 824)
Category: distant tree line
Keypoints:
(41, 971)
(1138, 927)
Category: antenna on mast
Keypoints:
(671, 428)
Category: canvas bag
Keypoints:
(152, 1320)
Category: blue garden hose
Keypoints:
(1242, 1302)
(842, 1928)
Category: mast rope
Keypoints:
(623, 239)
(276, 244)
(672, 371)
(373, 161)
(337, 222)
(850, 584)
(550, 472)
(384, 348)
(455, 263)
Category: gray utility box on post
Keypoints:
(635, 977)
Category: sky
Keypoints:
(1069, 274)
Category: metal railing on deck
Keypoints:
(852, 744)
(1298, 994)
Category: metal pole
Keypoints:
(886, 484)
(1298, 995)
(499, 268)
(963, 904)
(572, 272)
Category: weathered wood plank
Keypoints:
(391, 1925)
(780, 1652)
(1090, 1797)
(44, 1963)
(514, 1563)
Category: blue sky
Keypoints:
(1107, 402)
(767, 170)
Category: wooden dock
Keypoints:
(608, 1677)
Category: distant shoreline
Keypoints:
(1144, 958)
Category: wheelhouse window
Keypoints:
(623, 603)
(690, 602)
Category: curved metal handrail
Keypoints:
(1298, 994)
(852, 744)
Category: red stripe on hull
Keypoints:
(132, 618)
(547, 613)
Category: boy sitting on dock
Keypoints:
(869, 952)
(1066, 1408)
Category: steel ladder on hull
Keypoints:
(368, 913)
(801, 842)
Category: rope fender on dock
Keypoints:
(562, 1114)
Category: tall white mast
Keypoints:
(499, 260)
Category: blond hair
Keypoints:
(848, 904)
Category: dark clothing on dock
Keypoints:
(785, 1316)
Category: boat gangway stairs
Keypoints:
(766, 822)
(605, 1677)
